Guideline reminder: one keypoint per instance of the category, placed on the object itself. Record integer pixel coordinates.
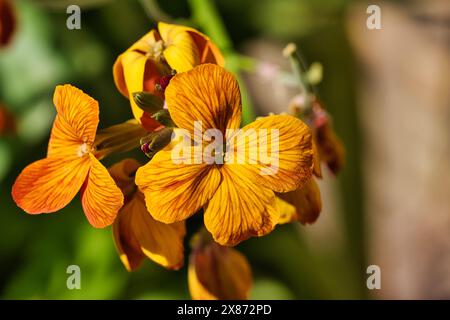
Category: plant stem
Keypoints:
(154, 12)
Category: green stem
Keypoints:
(154, 12)
(206, 16)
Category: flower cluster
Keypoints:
(174, 79)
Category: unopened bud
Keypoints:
(156, 141)
(163, 117)
(148, 102)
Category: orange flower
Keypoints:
(151, 60)
(218, 273)
(136, 234)
(7, 22)
(303, 204)
(48, 185)
(239, 202)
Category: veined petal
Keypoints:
(275, 150)
(209, 53)
(219, 273)
(48, 185)
(101, 198)
(240, 208)
(76, 121)
(162, 243)
(175, 190)
(139, 235)
(307, 202)
(209, 94)
(180, 51)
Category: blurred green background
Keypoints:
(36, 250)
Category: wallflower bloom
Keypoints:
(238, 201)
(136, 234)
(49, 184)
(218, 273)
(154, 56)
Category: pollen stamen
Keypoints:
(83, 149)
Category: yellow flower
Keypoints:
(151, 59)
(49, 184)
(136, 234)
(239, 202)
(218, 273)
(303, 204)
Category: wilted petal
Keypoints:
(331, 150)
(217, 272)
(307, 202)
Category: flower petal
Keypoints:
(139, 233)
(134, 65)
(101, 198)
(209, 94)
(180, 51)
(219, 273)
(162, 243)
(173, 190)
(126, 244)
(275, 150)
(240, 208)
(140, 48)
(287, 212)
(76, 121)
(209, 53)
(307, 202)
(331, 150)
(48, 185)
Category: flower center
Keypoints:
(83, 149)
(156, 51)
